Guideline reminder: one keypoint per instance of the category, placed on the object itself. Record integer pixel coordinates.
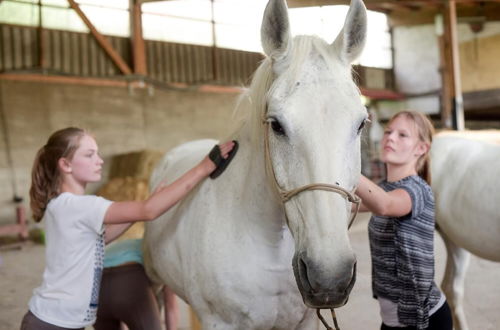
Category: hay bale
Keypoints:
(127, 189)
(128, 180)
(139, 164)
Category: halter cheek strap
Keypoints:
(286, 195)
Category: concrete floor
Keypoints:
(21, 271)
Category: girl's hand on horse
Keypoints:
(208, 165)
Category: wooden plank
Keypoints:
(66, 52)
(159, 62)
(84, 51)
(75, 54)
(151, 59)
(26, 48)
(197, 59)
(179, 64)
(102, 62)
(171, 62)
(93, 60)
(2, 48)
(482, 100)
(57, 51)
(103, 42)
(110, 68)
(35, 51)
(190, 64)
(17, 50)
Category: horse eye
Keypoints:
(360, 128)
(277, 128)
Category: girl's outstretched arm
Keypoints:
(124, 213)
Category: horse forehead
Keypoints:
(324, 103)
(327, 84)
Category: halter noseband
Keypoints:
(286, 195)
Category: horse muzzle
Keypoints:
(320, 289)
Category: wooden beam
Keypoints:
(398, 18)
(42, 78)
(453, 110)
(413, 12)
(139, 49)
(445, 80)
(102, 82)
(105, 44)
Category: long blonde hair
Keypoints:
(426, 131)
(45, 174)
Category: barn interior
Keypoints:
(141, 93)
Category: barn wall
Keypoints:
(416, 62)
(416, 66)
(79, 54)
(479, 63)
(122, 120)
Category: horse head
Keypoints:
(314, 117)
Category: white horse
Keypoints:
(228, 248)
(466, 180)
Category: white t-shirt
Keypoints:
(74, 254)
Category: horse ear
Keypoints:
(275, 30)
(351, 40)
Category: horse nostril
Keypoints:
(304, 276)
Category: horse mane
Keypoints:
(251, 106)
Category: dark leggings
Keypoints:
(126, 295)
(440, 320)
(31, 322)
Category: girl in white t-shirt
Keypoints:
(77, 226)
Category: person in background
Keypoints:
(127, 296)
(77, 225)
(401, 229)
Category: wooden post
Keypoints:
(105, 44)
(41, 39)
(444, 69)
(453, 111)
(139, 49)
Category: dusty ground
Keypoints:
(21, 271)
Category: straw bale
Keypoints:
(127, 189)
(139, 164)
